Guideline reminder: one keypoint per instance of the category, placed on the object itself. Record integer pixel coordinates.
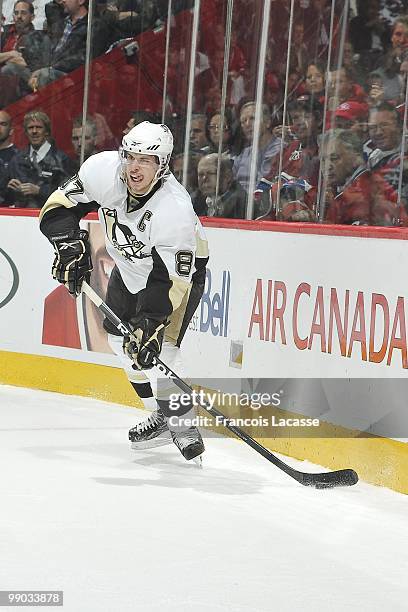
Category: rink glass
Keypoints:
(176, 61)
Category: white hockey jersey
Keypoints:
(163, 233)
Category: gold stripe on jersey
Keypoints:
(56, 200)
(172, 331)
(178, 291)
(201, 247)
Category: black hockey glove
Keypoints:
(72, 263)
(145, 342)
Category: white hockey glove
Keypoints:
(72, 263)
(145, 343)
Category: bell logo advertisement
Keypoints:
(213, 313)
(350, 323)
(9, 279)
(214, 308)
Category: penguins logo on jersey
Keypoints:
(121, 237)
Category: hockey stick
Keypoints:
(338, 478)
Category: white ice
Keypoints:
(119, 531)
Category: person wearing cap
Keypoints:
(353, 116)
(342, 89)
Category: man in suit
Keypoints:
(35, 172)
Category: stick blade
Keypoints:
(329, 480)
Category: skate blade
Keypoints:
(154, 443)
(198, 461)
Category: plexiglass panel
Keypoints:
(288, 110)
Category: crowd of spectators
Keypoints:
(337, 156)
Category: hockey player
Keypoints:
(160, 254)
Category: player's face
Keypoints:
(36, 133)
(140, 171)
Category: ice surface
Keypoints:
(120, 531)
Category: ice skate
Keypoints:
(151, 432)
(189, 443)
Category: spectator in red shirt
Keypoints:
(300, 160)
(300, 153)
(341, 86)
(389, 197)
(23, 15)
(342, 89)
(347, 194)
(23, 49)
